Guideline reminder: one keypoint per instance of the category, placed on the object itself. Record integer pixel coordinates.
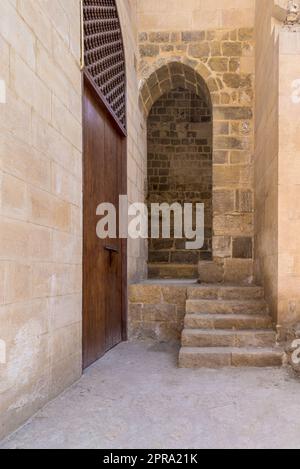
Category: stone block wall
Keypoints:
(222, 59)
(266, 153)
(289, 179)
(41, 197)
(156, 311)
(41, 204)
(179, 15)
(180, 167)
(137, 136)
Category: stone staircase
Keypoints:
(172, 271)
(228, 326)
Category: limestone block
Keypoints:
(223, 201)
(242, 248)
(47, 210)
(159, 312)
(238, 224)
(222, 246)
(143, 293)
(238, 271)
(210, 272)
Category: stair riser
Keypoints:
(171, 272)
(225, 293)
(219, 307)
(222, 360)
(203, 339)
(194, 322)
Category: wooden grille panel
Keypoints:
(104, 54)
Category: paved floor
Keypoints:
(136, 397)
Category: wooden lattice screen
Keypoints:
(104, 58)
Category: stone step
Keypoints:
(226, 307)
(228, 321)
(215, 292)
(226, 338)
(172, 271)
(219, 357)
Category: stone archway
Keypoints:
(232, 191)
(179, 162)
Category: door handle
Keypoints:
(112, 249)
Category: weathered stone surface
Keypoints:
(239, 271)
(232, 49)
(237, 224)
(222, 246)
(224, 201)
(257, 358)
(175, 295)
(226, 306)
(210, 272)
(149, 50)
(199, 50)
(172, 271)
(242, 248)
(193, 357)
(218, 64)
(159, 37)
(227, 338)
(193, 36)
(233, 113)
(245, 34)
(244, 201)
(145, 293)
(228, 321)
(202, 292)
(159, 312)
(135, 312)
(143, 37)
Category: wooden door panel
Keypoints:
(104, 289)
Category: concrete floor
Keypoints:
(136, 397)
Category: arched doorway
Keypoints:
(180, 164)
(105, 177)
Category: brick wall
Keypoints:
(180, 166)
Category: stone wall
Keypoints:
(289, 179)
(41, 204)
(41, 198)
(266, 153)
(137, 137)
(223, 61)
(156, 312)
(277, 173)
(180, 167)
(178, 15)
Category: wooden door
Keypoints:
(104, 261)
